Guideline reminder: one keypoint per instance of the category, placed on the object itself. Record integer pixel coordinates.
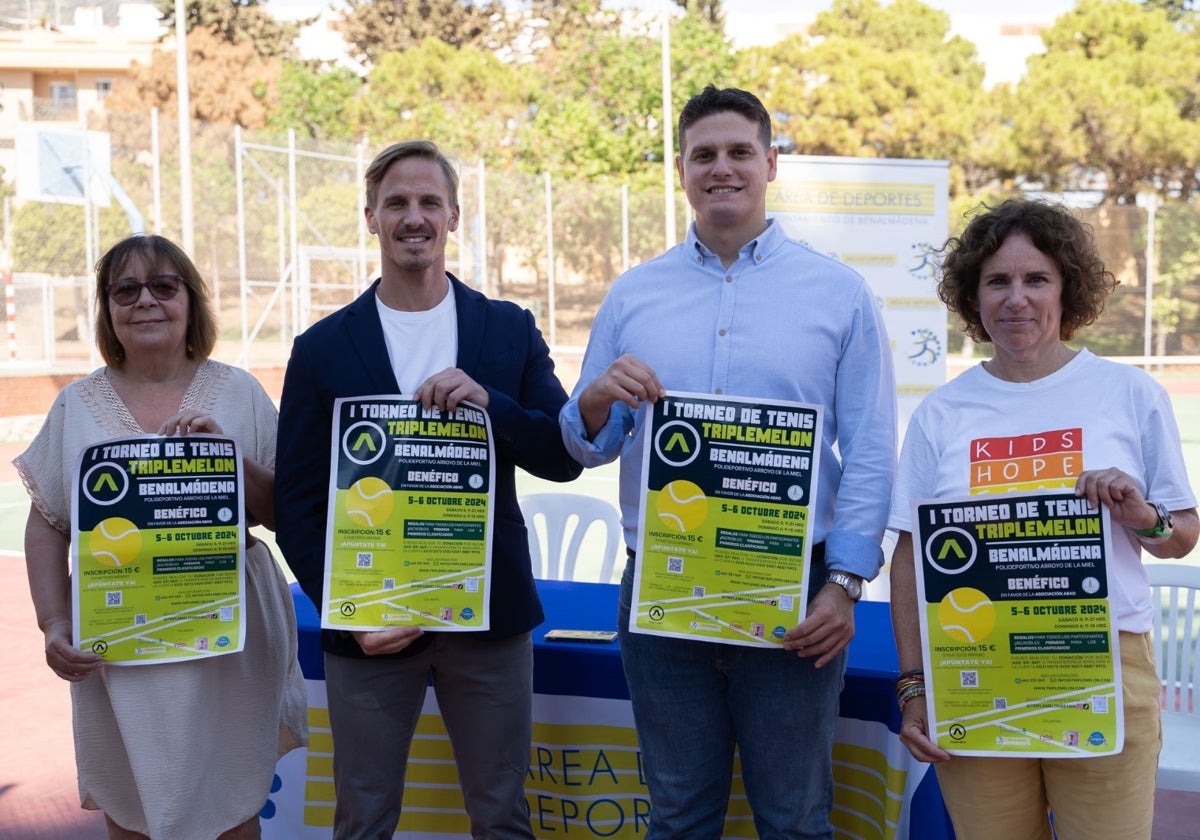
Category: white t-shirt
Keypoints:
(420, 344)
(980, 434)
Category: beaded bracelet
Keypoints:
(911, 692)
(909, 685)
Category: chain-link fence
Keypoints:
(279, 233)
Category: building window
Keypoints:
(103, 88)
(63, 94)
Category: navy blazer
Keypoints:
(345, 355)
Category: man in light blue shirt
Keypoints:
(740, 309)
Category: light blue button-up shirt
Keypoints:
(783, 322)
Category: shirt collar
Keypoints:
(757, 248)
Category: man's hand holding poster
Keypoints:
(723, 542)
(157, 548)
(410, 516)
(1020, 646)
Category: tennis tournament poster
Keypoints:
(723, 539)
(409, 529)
(1020, 645)
(158, 549)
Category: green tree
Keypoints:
(534, 25)
(875, 81)
(1176, 9)
(1177, 289)
(7, 191)
(237, 22)
(374, 29)
(599, 110)
(708, 10)
(465, 99)
(1115, 95)
(597, 126)
(314, 99)
(48, 238)
(212, 63)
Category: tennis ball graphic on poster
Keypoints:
(369, 502)
(966, 615)
(115, 542)
(682, 505)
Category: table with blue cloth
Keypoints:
(585, 778)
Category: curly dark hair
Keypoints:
(159, 252)
(1056, 232)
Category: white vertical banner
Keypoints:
(883, 217)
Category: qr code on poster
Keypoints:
(968, 679)
(139, 620)
(675, 565)
(363, 561)
(1100, 704)
(697, 591)
(113, 599)
(999, 704)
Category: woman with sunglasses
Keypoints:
(179, 750)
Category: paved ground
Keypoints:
(38, 796)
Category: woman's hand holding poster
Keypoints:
(1020, 648)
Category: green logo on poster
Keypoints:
(679, 439)
(952, 544)
(105, 481)
(364, 439)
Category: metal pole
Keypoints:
(667, 130)
(239, 174)
(283, 309)
(550, 255)
(10, 309)
(156, 171)
(1148, 327)
(460, 242)
(89, 255)
(294, 241)
(481, 246)
(360, 171)
(185, 129)
(10, 289)
(88, 245)
(624, 227)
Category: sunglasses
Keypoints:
(127, 291)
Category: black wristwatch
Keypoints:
(1162, 528)
(850, 583)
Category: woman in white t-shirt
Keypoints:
(1025, 276)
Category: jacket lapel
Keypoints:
(470, 307)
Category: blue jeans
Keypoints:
(693, 701)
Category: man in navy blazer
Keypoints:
(418, 331)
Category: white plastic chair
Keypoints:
(1175, 591)
(564, 519)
